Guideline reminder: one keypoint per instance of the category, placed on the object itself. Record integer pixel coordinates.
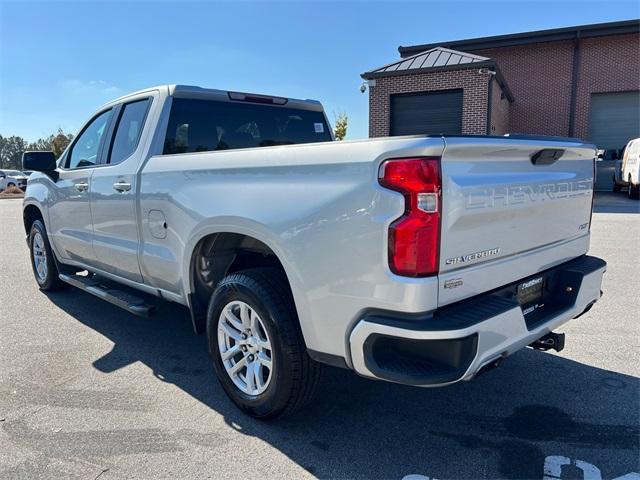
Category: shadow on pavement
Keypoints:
(502, 424)
(610, 202)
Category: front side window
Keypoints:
(86, 149)
(128, 130)
(203, 125)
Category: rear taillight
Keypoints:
(414, 238)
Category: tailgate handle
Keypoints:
(546, 156)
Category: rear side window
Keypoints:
(128, 130)
(204, 125)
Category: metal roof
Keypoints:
(538, 36)
(438, 58)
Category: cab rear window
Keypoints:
(197, 125)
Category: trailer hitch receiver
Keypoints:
(549, 341)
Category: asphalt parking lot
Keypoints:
(87, 391)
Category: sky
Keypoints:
(59, 61)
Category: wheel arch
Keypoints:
(31, 213)
(231, 249)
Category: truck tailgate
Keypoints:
(510, 209)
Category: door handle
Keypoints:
(82, 186)
(122, 186)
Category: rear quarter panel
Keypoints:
(317, 206)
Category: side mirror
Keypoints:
(44, 162)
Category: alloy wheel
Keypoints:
(39, 256)
(245, 348)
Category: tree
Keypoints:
(41, 145)
(60, 142)
(340, 129)
(12, 148)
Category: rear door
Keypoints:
(70, 219)
(113, 193)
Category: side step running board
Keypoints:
(103, 290)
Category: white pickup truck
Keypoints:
(422, 260)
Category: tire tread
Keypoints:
(53, 283)
(271, 284)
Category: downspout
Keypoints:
(489, 104)
(574, 84)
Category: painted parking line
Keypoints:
(552, 470)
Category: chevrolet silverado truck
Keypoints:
(421, 260)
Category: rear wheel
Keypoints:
(634, 190)
(616, 185)
(44, 266)
(256, 345)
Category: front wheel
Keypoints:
(256, 345)
(44, 266)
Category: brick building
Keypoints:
(580, 81)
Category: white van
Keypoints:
(627, 170)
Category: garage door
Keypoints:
(614, 119)
(427, 112)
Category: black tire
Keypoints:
(295, 375)
(50, 281)
(633, 191)
(616, 185)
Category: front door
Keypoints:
(113, 194)
(70, 222)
